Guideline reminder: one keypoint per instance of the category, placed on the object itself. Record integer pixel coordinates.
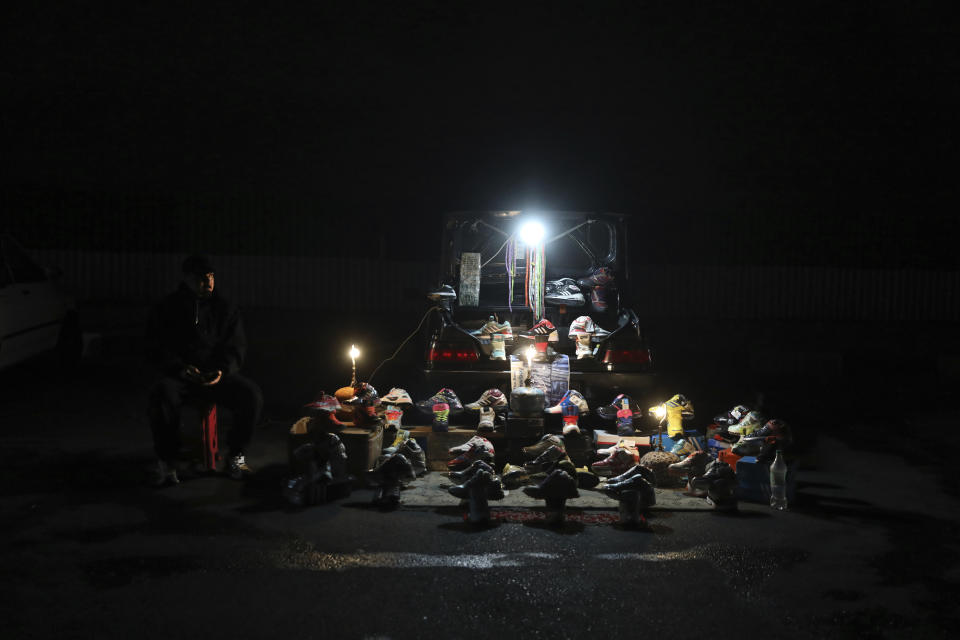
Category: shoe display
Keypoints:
(475, 441)
(722, 494)
(716, 470)
(487, 416)
(636, 482)
(616, 463)
(774, 430)
(695, 464)
(441, 417)
(609, 412)
(622, 444)
(542, 328)
(402, 436)
(731, 417)
(462, 476)
(637, 469)
(747, 424)
(491, 327)
(748, 446)
(545, 443)
(570, 414)
(573, 396)
(391, 470)
(563, 292)
(482, 481)
(582, 326)
(164, 473)
(397, 396)
(446, 396)
(238, 468)
(558, 485)
(550, 456)
(493, 398)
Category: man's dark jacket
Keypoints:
(205, 332)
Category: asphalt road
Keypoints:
(869, 548)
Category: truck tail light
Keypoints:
(443, 352)
(615, 355)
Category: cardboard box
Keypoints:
(604, 440)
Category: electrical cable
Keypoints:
(407, 339)
(509, 238)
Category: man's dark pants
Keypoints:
(240, 395)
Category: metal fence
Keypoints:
(656, 291)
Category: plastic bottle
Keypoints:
(778, 483)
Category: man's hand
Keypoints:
(191, 374)
(212, 378)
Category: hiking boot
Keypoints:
(551, 455)
(545, 443)
(563, 292)
(238, 467)
(462, 476)
(616, 463)
(487, 416)
(573, 397)
(164, 473)
(489, 398)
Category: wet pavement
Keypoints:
(869, 548)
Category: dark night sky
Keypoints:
(807, 111)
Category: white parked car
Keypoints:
(36, 315)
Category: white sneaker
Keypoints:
(165, 474)
(475, 441)
(487, 415)
(238, 467)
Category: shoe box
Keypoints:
(605, 440)
(715, 447)
(668, 442)
(753, 479)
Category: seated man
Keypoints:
(196, 340)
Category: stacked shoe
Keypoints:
(582, 330)
(609, 411)
(625, 419)
(441, 417)
(397, 396)
(563, 292)
(764, 442)
(572, 396)
(481, 478)
(324, 403)
(387, 477)
(732, 417)
(716, 470)
(413, 452)
(693, 465)
(402, 435)
(487, 420)
(547, 441)
(463, 475)
(446, 396)
(550, 456)
(514, 476)
(600, 282)
(635, 479)
(476, 448)
(619, 461)
(747, 424)
(557, 486)
(491, 327)
(493, 398)
(542, 328)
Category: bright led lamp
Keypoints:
(531, 233)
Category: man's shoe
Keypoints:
(397, 396)
(570, 415)
(545, 459)
(165, 473)
(545, 443)
(616, 463)
(747, 425)
(748, 446)
(475, 441)
(482, 481)
(695, 464)
(441, 417)
(637, 469)
(238, 467)
(444, 396)
(586, 479)
(514, 476)
(413, 452)
(563, 292)
(573, 397)
(462, 476)
(489, 398)
(558, 485)
(543, 328)
(598, 278)
(491, 327)
(482, 450)
(716, 470)
(402, 436)
(487, 417)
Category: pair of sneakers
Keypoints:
(165, 472)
